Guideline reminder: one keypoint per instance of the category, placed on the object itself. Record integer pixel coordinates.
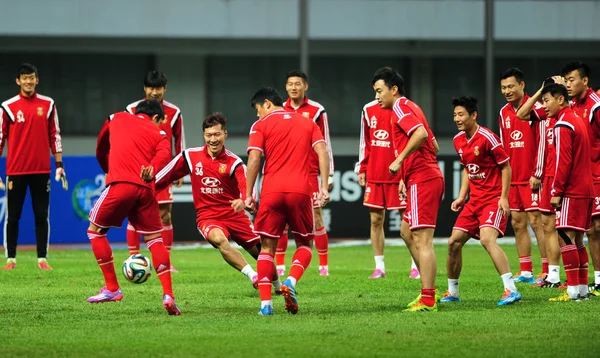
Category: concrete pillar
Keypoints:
(421, 85)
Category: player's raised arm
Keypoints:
(163, 154)
(175, 170)
(103, 145)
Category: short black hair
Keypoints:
(213, 119)
(265, 93)
(27, 69)
(155, 79)
(470, 103)
(150, 107)
(297, 73)
(556, 90)
(583, 69)
(390, 77)
(513, 72)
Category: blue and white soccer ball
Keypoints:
(137, 268)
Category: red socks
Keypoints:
(133, 240)
(525, 263)
(104, 257)
(544, 266)
(300, 262)
(162, 264)
(322, 243)
(167, 235)
(265, 270)
(282, 245)
(583, 265)
(570, 258)
(428, 296)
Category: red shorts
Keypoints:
(125, 200)
(383, 196)
(596, 204)
(574, 214)
(236, 229)
(277, 209)
(522, 198)
(423, 202)
(314, 188)
(545, 196)
(165, 196)
(474, 217)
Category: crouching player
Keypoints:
(486, 179)
(127, 143)
(218, 183)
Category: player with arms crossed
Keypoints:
(586, 104)
(524, 144)
(572, 190)
(286, 140)
(296, 86)
(422, 178)
(218, 185)
(127, 144)
(155, 86)
(381, 192)
(486, 180)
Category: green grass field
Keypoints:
(346, 314)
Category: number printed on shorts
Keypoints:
(489, 220)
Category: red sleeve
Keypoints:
(4, 125)
(54, 132)
(539, 131)
(498, 152)
(175, 170)
(501, 128)
(563, 139)
(178, 134)
(103, 146)
(316, 137)
(364, 149)
(256, 140)
(163, 153)
(240, 177)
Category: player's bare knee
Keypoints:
(596, 225)
(519, 222)
(377, 217)
(219, 241)
(535, 219)
(149, 237)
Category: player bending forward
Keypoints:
(486, 179)
(218, 185)
(127, 144)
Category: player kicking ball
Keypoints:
(218, 183)
(486, 179)
(127, 143)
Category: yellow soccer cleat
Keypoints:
(563, 297)
(421, 307)
(416, 300)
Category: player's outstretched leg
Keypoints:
(254, 251)
(454, 264)
(233, 257)
(266, 268)
(300, 262)
(282, 245)
(133, 240)
(103, 253)
(162, 265)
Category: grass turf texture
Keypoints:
(346, 314)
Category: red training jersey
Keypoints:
(215, 181)
(376, 150)
(30, 124)
(588, 108)
(573, 177)
(421, 165)
(286, 139)
(316, 112)
(482, 156)
(126, 143)
(172, 125)
(523, 142)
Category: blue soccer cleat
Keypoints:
(447, 297)
(289, 294)
(509, 298)
(266, 311)
(521, 278)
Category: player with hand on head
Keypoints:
(130, 149)
(486, 181)
(287, 141)
(155, 86)
(296, 86)
(29, 122)
(218, 186)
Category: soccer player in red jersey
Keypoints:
(422, 179)
(296, 86)
(127, 144)
(287, 140)
(572, 190)
(218, 186)
(376, 151)
(586, 104)
(155, 86)
(524, 144)
(30, 120)
(486, 180)
(532, 110)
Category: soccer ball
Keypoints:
(137, 268)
